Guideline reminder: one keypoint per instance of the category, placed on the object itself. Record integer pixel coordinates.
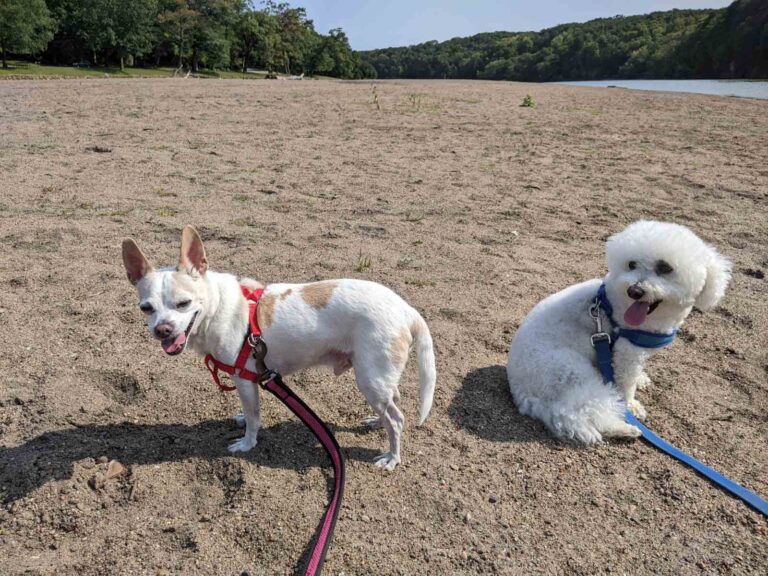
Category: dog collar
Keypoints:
(251, 343)
(640, 338)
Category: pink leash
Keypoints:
(274, 383)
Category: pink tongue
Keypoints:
(171, 347)
(637, 313)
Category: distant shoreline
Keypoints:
(752, 89)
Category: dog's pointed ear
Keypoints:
(136, 264)
(718, 276)
(192, 252)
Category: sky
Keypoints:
(382, 23)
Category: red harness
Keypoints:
(214, 366)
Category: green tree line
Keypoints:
(728, 43)
(191, 34)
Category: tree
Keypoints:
(26, 27)
(295, 33)
(177, 20)
(133, 27)
(332, 56)
(212, 36)
(250, 32)
(118, 27)
(201, 30)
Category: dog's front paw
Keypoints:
(386, 461)
(243, 445)
(637, 409)
(643, 381)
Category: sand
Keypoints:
(469, 206)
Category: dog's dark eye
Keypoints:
(146, 308)
(183, 303)
(631, 264)
(663, 268)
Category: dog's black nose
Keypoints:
(635, 292)
(163, 330)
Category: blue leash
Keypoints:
(603, 344)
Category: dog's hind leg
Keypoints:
(393, 422)
(380, 390)
(249, 397)
(374, 422)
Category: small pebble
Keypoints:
(114, 469)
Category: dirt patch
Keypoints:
(468, 205)
(123, 388)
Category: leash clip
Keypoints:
(258, 352)
(254, 341)
(599, 335)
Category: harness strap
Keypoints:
(641, 338)
(604, 352)
(270, 380)
(214, 366)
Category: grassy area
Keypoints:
(36, 70)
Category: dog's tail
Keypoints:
(425, 355)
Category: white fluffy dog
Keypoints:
(657, 272)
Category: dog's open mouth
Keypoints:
(639, 311)
(175, 344)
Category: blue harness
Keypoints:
(603, 342)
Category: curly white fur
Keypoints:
(552, 370)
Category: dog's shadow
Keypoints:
(51, 456)
(483, 406)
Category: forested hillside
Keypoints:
(191, 34)
(727, 43)
(238, 34)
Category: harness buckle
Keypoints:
(600, 337)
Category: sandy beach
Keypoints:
(466, 204)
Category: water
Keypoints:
(741, 88)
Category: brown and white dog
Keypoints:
(342, 323)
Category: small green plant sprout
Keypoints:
(415, 101)
(528, 102)
(363, 263)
